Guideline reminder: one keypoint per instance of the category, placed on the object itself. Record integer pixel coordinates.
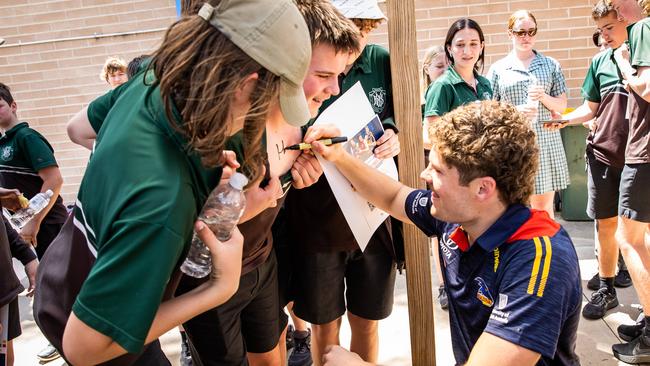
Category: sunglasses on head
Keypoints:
(523, 32)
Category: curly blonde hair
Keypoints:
(489, 139)
(112, 65)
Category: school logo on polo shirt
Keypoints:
(7, 153)
(377, 97)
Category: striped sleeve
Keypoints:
(535, 294)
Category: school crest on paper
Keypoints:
(377, 97)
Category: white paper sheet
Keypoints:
(351, 113)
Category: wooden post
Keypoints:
(406, 101)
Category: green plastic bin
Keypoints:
(574, 198)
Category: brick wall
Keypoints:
(565, 29)
(53, 67)
(53, 75)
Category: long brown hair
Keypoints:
(199, 70)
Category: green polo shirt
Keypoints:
(23, 153)
(372, 69)
(638, 145)
(601, 76)
(604, 85)
(137, 204)
(450, 91)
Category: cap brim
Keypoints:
(293, 104)
(376, 13)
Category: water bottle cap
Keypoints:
(49, 193)
(238, 181)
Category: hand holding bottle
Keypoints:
(535, 92)
(226, 262)
(221, 213)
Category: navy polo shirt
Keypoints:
(520, 281)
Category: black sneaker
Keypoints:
(290, 340)
(601, 301)
(594, 283)
(630, 332)
(623, 279)
(635, 352)
(442, 298)
(301, 355)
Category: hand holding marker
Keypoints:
(326, 142)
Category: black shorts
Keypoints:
(248, 322)
(603, 182)
(326, 282)
(283, 252)
(46, 234)
(634, 202)
(13, 320)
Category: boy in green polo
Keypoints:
(28, 164)
(604, 107)
(633, 228)
(331, 272)
(158, 154)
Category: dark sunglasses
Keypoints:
(522, 33)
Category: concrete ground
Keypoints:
(594, 337)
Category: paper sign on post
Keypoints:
(354, 116)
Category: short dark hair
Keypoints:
(5, 93)
(134, 65)
(459, 25)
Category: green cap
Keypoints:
(274, 34)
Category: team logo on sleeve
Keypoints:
(483, 292)
(7, 153)
(417, 199)
(423, 201)
(377, 97)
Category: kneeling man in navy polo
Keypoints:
(511, 273)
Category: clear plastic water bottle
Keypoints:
(221, 213)
(529, 101)
(36, 205)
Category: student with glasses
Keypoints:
(535, 84)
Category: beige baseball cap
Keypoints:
(359, 9)
(274, 34)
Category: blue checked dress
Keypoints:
(510, 84)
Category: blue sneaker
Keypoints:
(301, 355)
